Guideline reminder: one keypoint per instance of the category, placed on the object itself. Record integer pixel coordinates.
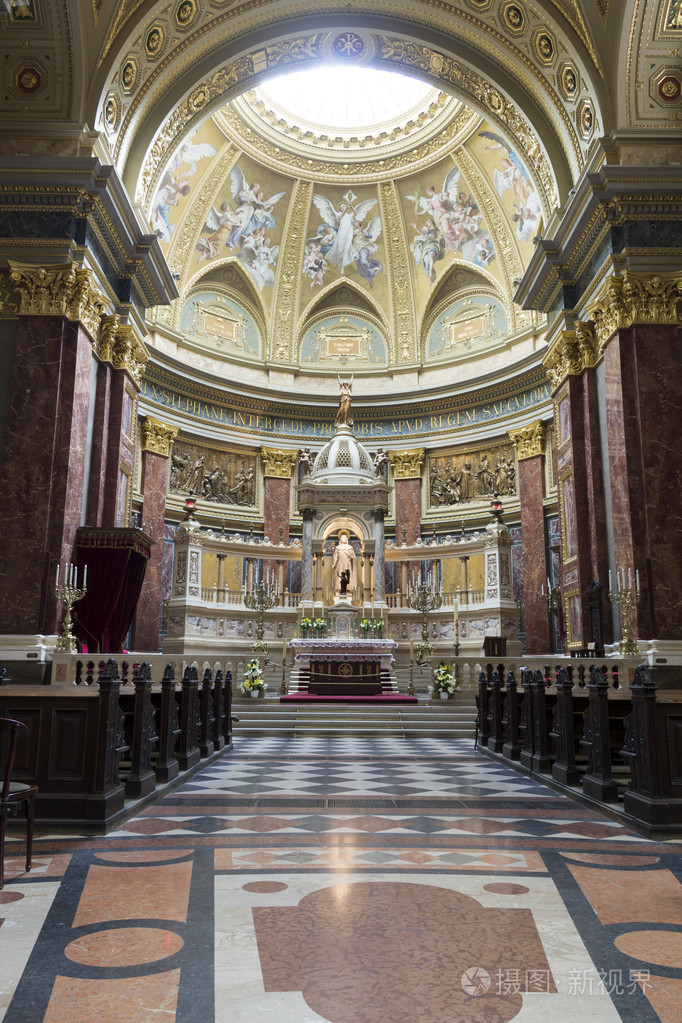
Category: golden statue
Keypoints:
(344, 417)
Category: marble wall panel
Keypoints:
(148, 614)
(531, 480)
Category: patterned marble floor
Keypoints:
(352, 881)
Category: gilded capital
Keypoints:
(157, 437)
(120, 345)
(570, 353)
(529, 441)
(278, 463)
(635, 298)
(407, 464)
(59, 289)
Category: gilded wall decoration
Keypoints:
(673, 15)
(471, 476)
(529, 441)
(401, 295)
(285, 297)
(343, 340)
(407, 465)
(157, 437)
(219, 477)
(212, 319)
(471, 323)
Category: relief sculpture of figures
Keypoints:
(217, 483)
(451, 483)
(344, 417)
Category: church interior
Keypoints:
(341, 603)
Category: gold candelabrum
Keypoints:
(626, 597)
(263, 597)
(69, 592)
(424, 598)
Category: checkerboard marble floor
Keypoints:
(349, 881)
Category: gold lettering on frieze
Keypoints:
(635, 298)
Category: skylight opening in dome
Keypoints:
(340, 98)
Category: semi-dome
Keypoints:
(343, 460)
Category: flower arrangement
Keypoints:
(319, 626)
(372, 625)
(306, 625)
(444, 681)
(253, 680)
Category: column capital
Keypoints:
(571, 352)
(277, 462)
(407, 464)
(157, 437)
(634, 297)
(120, 344)
(59, 289)
(529, 441)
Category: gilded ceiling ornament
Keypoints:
(155, 41)
(278, 463)
(544, 47)
(59, 290)
(407, 464)
(529, 441)
(290, 260)
(130, 75)
(185, 14)
(404, 314)
(514, 17)
(636, 298)
(573, 12)
(157, 437)
(568, 81)
(124, 10)
(570, 353)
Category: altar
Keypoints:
(350, 667)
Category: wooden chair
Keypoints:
(14, 792)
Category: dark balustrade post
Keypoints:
(227, 719)
(110, 743)
(187, 750)
(142, 779)
(564, 768)
(541, 759)
(495, 742)
(598, 782)
(206, 715)
(218, 710)
(643, 798)
(167, 766)
(527, 721)
(483, 709)
(511, 747)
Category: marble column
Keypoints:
(278, 467)
(156, 446)
(307, 514)
(530, 447)
(43, 468)
(643, 384)
(407, 473)
(379, 558)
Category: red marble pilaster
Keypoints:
(149, 605)
(535, 569)
(581, 502)
(643, 374)
(43, 468)
(276, 503)
(113, 448)
(408, 510)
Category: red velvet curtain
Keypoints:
(116, 561)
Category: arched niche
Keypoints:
(345, 340)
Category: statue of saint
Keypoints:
(344, 562)
(344, 417)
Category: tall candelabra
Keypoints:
(261, 599)
(424, 598)
(69, 592)
(626, 597)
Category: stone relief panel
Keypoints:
(466, 326)
(217, 476)
(460, 477)
(343, 340)
(217, 322)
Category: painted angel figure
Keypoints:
(513, 174)
(443, 208)
(218, 227)
(252, 210)
(190, 152)
(347, 222)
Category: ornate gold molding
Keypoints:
(59, 289)
(157, 437)
(278, 463)
(570, 353)
(635, 298)
(529, 441)
(119, 344)
(407, 464)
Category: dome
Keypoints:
(343, 460)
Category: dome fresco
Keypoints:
(297, 229)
